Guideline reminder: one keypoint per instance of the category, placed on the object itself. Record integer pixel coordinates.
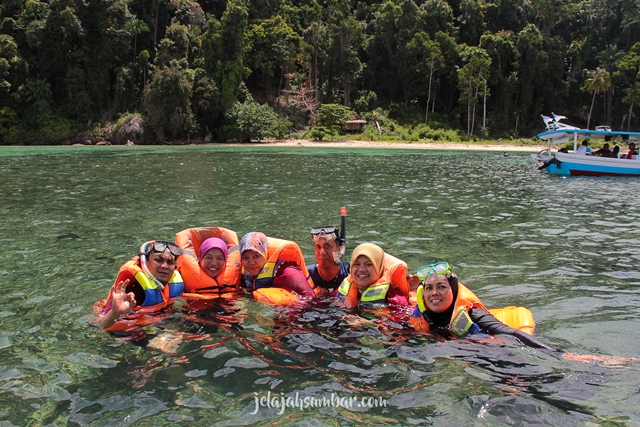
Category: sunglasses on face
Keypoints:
(161, 246)
(438, 268)
(324, 231)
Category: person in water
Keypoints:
(147, 283)
(448, 307)
(210, 265)
(376, 279)
(212, 256)
(268, 262)
(329, 270)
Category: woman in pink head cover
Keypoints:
(213, 256)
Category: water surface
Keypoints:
(566, 248)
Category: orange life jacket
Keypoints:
(155, 300)
(394, 274)
(199, 284)
(465, 301)
(278, 252)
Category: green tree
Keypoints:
(167, 102)
(503, 78)
(472, 80)
(249, 120)
(631, 97)
(597, 81)
(275, 49)
(37, 94)
(136, 27)
(10, 63)
(342, 63)
(224, 48)
(424, 57)
(470, 22)
(609, 59)
(437, 16)
(175, 45)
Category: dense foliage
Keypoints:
(192, 68)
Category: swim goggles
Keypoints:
(160, 246)
(324, 231)
(439, 268)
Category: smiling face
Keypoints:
(213, 262)
(363, 272)
(162, 265)
(252, 262)
(437, 295)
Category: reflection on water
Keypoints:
(566, 248)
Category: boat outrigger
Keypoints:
(561, 163)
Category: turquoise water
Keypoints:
(566, 248)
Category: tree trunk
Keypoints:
(426, 115)
(591, 109)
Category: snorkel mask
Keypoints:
(439, 268)
(156, 246)
(339, 234)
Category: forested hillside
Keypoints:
(252, 69)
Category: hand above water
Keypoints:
(121, 303)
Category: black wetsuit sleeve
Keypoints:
(491, 325)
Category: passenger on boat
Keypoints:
(329, 270)
(615, 153)
(447, 306)
(269, 262)
(145, 284)
(604, 151)
(376, 280)
(632, 151)
(583, 149)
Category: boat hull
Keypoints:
(571, 164)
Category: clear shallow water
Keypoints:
(568, 249)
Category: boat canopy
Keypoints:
(560, 136)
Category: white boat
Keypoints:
(560, 163)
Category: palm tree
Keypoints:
(631, 97)
(136, 27)
(597, 81)
(609, 59)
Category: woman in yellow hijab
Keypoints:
(377, 279)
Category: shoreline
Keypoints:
(392, 145)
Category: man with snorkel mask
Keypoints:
(145, 284)
(330, 270)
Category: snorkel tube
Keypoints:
(143, 263)
(342, 240)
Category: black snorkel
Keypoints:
(342, 239)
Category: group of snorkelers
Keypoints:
(211, 264)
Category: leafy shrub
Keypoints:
(333, 116)
(52, 131)
(250, 120)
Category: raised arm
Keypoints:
(121, 303)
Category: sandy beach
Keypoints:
(398, 145)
